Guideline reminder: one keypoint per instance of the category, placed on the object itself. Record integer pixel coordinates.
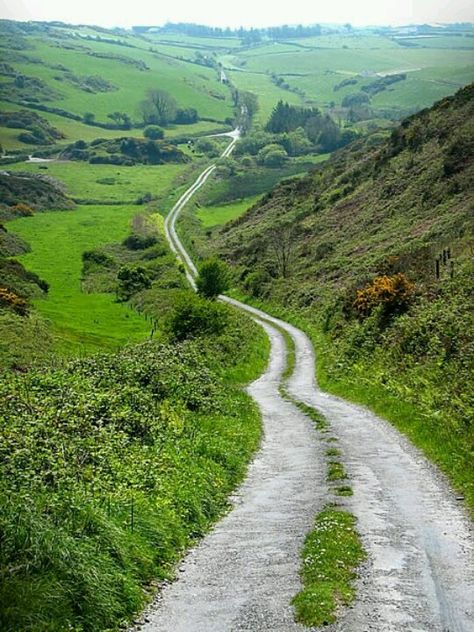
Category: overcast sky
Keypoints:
(239, 12)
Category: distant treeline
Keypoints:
(252, 35)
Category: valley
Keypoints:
(236, 349)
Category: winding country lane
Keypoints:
(420, 573)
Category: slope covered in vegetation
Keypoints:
(371, 253)
(112, 465)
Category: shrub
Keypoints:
(213, 279)
(139, 242)
(392, 294)
(12, 301)
(256, 283)
(131, 280)
(153, 132)
(208, 147)
(193, 316)
(23, 209)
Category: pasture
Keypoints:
(211, 216)
(106, 182)
(80, 322)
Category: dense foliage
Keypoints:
(109, 466)
(36, 191)
(36, 129)
(125, 151)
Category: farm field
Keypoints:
(81, 322)
(313, 68)
(217, 215)
(106, 182)
(75, 130)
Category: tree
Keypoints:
(207, 146)
(153, 132)
(186, 116)
(213, 279)
(354, 99)
(195, 316)
(158, 108)
(272, 155)
(121, 118)
(281, 245)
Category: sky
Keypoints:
(245, 13)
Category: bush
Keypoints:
(213, 279)
(139, 242)
(22, 209)
(272, 155)
(208, 147)
(186, 116)
(256, 283)
(11, 301)
(132, 280)
(194, 316)
(153, 132)
(392, 294)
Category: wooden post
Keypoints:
(451, 269)
(437, 267)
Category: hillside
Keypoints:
(372, 253)
(345, 220)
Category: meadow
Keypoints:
(103, 183)
(81, 322)
(191, 85)
(211, 216)
(317, 65)
(76, 130)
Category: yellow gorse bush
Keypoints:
(392, 292)
(12, 301)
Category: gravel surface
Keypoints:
(420, 541)
(420, 571)
(244, 574)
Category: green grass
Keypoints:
(138, 453)
(343, 490)
(331, 555)
(268, 94)
(217, 215)
(86, 182)
(75, 130)
(191, 85)
(361, 385)
(81, 322)
(336, 471)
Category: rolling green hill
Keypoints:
(49, 66)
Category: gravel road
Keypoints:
(243, 575)
(420, 571)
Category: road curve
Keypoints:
(420, 573)
(243, 575)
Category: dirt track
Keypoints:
(420, 573)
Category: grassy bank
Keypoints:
(442, 438)
(111, 466)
